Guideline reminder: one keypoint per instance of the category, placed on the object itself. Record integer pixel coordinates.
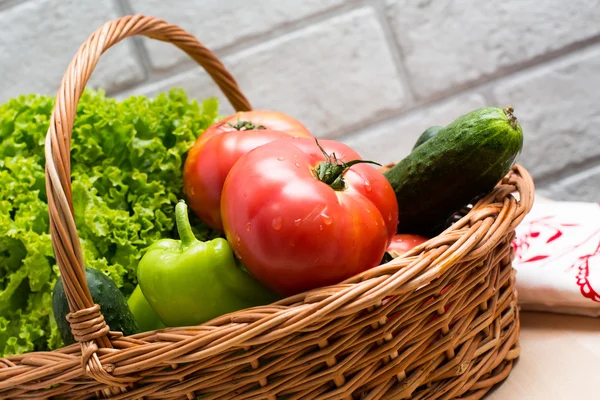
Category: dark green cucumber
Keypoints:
(427, 134)
(463, 160)
(105, 293)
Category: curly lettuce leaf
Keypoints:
(127, 160)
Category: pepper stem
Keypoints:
(332, 171)
(183, 224)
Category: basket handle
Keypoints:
(87, 323)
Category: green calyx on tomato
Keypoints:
(245, 126)
(189, 282)
(208, 162)
(331, 171)
(293, 231)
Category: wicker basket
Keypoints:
(440, 322)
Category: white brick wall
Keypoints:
(40, 37)
(392, 139)
(450, 43)
(560, 103)
(373, 74)
(222, 23)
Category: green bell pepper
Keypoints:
(189, 282)
(145, 316)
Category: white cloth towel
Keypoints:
(557, 258)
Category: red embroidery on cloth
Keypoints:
(522, 242)
(583, 281)
(583, 266)
(554, 237)
(536, 258)
(545, 227)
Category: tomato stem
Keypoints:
(245, 126)
(332, 171)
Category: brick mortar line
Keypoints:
(12, 3)
(141, 55)
(570, 170)
(366, 126)
(395, 49)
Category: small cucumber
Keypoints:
(463, 160)
(427, 134)
(105, 293)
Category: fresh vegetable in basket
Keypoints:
(462, 161)
(400, 244)
(221, 145)
(126, 163)
(255, 120)
(427, 134)
(105, 293)
(301, 216)
(142, 311)
(403, 242)
(188, 282)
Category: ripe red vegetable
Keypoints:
(220, 146)
(301, 217)
(403, 242)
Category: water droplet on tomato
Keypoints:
(237, 254)
(281, 158)
(389, 216)
(277, 223)
(248, 226)
(368, 211)
(298, 221)
(327, 220)
(398, 240)
(192, 191)
(297, 165)
(238, 239)
(321, 227)
(368, 187)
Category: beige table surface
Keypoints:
(560, 360)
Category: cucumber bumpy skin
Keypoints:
(105, 293)
(462, 161)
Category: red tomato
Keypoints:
(255, 120)
(295, 232)
(403, 242)
(219, 147)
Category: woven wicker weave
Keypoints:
(440, 322)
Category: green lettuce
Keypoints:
(127, 160)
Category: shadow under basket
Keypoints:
(439, 322)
